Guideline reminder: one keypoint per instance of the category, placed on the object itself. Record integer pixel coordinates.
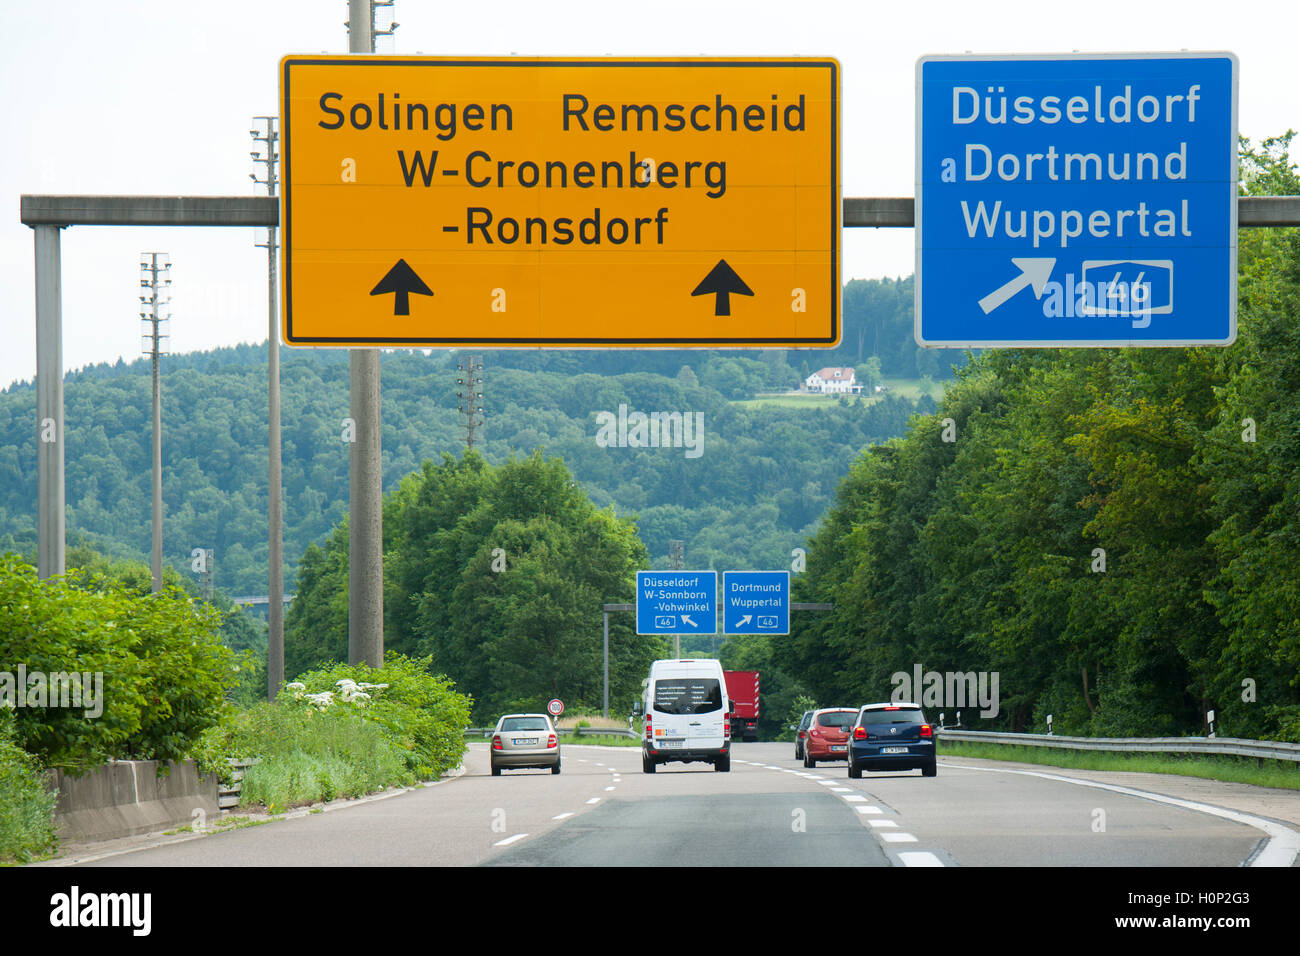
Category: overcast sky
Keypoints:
(152, 97)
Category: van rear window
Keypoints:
(688, 695)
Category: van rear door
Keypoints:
(689, 711)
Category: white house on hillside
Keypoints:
(832, 380)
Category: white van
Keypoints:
(685, 707)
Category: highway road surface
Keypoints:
(769, 810)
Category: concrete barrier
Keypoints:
(127, 797)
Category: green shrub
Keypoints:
(26, 808)
(164, 670)
(419, 712)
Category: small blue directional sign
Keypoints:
(756, 602)
(677, 602)
(1076, 200)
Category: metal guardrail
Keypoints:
(228, 795)
(580, 732)
(1263, 749)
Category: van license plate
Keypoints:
(893, 750)
(669, 744)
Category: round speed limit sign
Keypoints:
(555, 707)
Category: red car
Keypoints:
(828, 735)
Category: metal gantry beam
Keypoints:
(871, 212)
(48, 214)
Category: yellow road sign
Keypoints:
(560, 202)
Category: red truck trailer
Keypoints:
(742, 688)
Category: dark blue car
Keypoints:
(893, 736)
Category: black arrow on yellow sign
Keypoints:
(721, 282)
(401, 280)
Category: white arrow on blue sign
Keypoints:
(1076, 200)
(677, 602)
(756, 602)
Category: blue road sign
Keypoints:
(756, 602)
(1079, 200)
(677, 602)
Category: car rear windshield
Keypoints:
(838, 718)
(902, 715)
(513, 724)
(688, 695)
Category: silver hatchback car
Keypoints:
(525, 740)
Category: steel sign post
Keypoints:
(1076, 200)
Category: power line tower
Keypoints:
(155, 318)
(471, 397)
(208, 577)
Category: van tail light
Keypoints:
(551, 742)
(496, 741)
(859, 733)
(649, 735)
(726, 729)
(926, 731)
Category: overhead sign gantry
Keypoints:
(561, 202)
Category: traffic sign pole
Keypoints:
(365, 484)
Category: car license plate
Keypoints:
(525, 740)
(836, 748)
(669, 744)
(893, 750)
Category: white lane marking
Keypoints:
(882, 823)
(841, 789)
(509, 840)
(827, 783)
(868, 809)
(1282, 848)
(594, 800)
(855, 798)
(607, 789)
(563, 815)
(898, 838)
(919, 858)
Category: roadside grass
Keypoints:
(310, 757)
(1279, 774)
(26, 807)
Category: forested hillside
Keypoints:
(1116, 533)
(762, 478)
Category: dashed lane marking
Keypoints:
(919, 858)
